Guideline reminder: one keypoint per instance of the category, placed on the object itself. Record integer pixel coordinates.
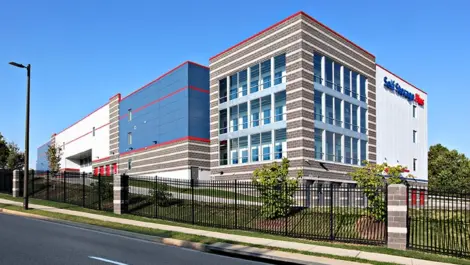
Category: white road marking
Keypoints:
(107, 260)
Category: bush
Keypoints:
(161, 196)
(276, 188)
(105, 188)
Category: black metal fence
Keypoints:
(328, 212)
(6, 181)
(86, 190)
(439, 222)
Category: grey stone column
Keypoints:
(17, 187)
(121, 194)
(397, 213)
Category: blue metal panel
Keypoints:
(198, 76)
(199, 114)
(42, 164)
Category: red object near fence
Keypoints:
(413, 197)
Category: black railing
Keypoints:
(439, 222)
(86, 190)
(6, 181)
(328, 212)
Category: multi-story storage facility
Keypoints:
(297, 89)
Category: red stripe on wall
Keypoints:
(390, 72)
(83, 118)
(187, 138)
(284, 20)
(199, 89)
(96, 129)
(101, 159)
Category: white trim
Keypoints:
(299, 79)
(300, 119)
(161, 156)
(161, 149)
(299, 129)
(300, 99)
(299, 138)
(396, 208)
(299, 60)
(300, 148)
(292, 91)
(159, 170)
(398, 230)
(166, 162)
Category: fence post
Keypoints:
(47, 185)
(236, 205)
(83, 188)
(121, 193)
(397, 211)
(286, 208)
(192, 200)
(99, 191)
(332, 235)
(17, 187)
(156, 196)
(65, 186)
(32, 183)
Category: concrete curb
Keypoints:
(12, 212)
(185, 244)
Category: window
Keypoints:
(337, 77)
(234, 119)
(243, 146)
(266, 73)
(328, 72)
(362, 88)
(363, 120)
(329, 109)
(363, 151)
(414, 111)
(129, 164)
(317, 76)
(266, 108)
(279, 69)
(233, 87)
(347, 81)
(223, 90)
(254, 78)
(129, 138)
(318, 105)
(129, 115)
(347, 115)
(223, 121)
(347, 149)
(414, 163)
(223, 155)
(243, 115)
(255, 147)
(330, 153)
(266, 139)
(280, 105)
(280, 144)
(243, 88)
(318, 144)
(338, 112)
(234, 151)
(354, 85)
(255, 109)
(94, 131)
(354, 117)
(414, 136)
(355, 151)
(338, 154)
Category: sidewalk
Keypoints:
(250, 240)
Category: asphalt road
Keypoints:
(37, 242)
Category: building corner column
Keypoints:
(397, 207)
(17, 187)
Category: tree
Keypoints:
(15, 160)
(372, 179)
(448, 170)
(276, 188)
(54, 155)
(4, 152)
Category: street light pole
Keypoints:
(26, 144)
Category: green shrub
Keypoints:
(276, 188)
(160, 195)
(105, 188)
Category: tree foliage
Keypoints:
(448, 170)
(4, 152)
(372, 179)
(54, 155)
(15, 160)
(276, 188)
(161, 195)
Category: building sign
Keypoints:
(390, 84)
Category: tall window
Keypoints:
(254, 78)
(255, 147)
(414, 111)
(266, 140)
(129, 138)
(266, 109)
(280, 105)
(279, 69)
(330, 153)
(223, 90)
(223, 121)
(363, 151)
(328, 72)
(318, 144)
(94, 131)
(233, 87)
(347, 149)
(362, 88)
(338, 153)
(347, 81)
(354, 117)
(266, 73)
(255, 110)
(129, 164)
(129, 114)
(337, 77)
(414, 163)
(354, 85)
(414, 136)
(234, 119)
(338, 112)
(280, 145)
(354, 151)
(242, 76)
(223, 155)
(347, 115)
(234, 151)
(243, 149)
(363, 120)
(318, 105)
(243, 115)
(317, 68)
(329, 109)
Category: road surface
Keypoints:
(38, 242)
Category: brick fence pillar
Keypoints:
(17, 187)
(121, 194)
(397, 214)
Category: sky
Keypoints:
(84, 52)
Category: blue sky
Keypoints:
(83, 52)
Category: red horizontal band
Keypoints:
(101, 159)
